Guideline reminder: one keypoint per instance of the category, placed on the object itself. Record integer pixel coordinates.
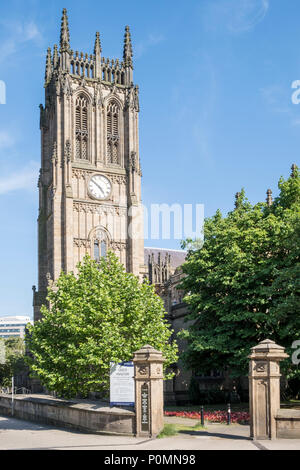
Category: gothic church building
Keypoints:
(90, 176)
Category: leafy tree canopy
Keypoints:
(102, 314)
(243, 286)
(12, 359)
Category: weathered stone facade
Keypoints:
(164, 267)
(90, 180)
(90, 177)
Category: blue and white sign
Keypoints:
(122, 384)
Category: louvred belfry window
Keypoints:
(81, 128)
(100, 245)
(113, 137)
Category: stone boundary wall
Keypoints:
(288, 424)
(86, 415)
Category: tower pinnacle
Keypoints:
(127, 53)
(55, 56)
(237, 200)
(97, 52)
(48, 71)
(127, 56)
(269, 198)
(64, 33)
(97, 48)
(294, 168)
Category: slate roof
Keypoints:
(177, 256)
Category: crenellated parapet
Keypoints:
(82, 65)
(113, 71)
(89, 66)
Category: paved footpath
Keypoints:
(16, 434)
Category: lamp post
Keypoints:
(202, 416)
(228, 414)
(12, 394)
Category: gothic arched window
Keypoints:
(113, 137)
(82, 128)
(101, 241)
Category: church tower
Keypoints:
(90, 177)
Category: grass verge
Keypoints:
(173, 429)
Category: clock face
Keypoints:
(99, 187)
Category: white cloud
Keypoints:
(152, 40)
(25, 179)
(248, 14)
(235, 16)
(18, 34)
(6, 139)
(31, 31)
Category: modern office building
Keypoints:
(13, 326)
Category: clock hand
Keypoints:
(99, 188)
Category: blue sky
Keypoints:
(216, 115)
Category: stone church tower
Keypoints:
(90, 177)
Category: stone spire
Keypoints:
(64, 33)
(97, 48)
(65, 43)
(127, 53)
(48, 72)
(294, 168)
(269, 198)
(97, 52)
(127, 56)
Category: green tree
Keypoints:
(243, 286)
(102, 314)
(12, 360)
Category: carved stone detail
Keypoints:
(143, 370)
(82, 242)
(79, 173)
(99, 209)
(66, 86)
(117, 245)
(119, 179)
(98, 96)
(261, 367)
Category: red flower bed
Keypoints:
(212, 416)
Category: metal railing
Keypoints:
(16, 391)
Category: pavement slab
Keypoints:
(16, 434)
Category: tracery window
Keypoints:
(113, 137)
(100, 244)
(82, 128)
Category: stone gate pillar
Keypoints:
(149, 399)
(264, 388)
